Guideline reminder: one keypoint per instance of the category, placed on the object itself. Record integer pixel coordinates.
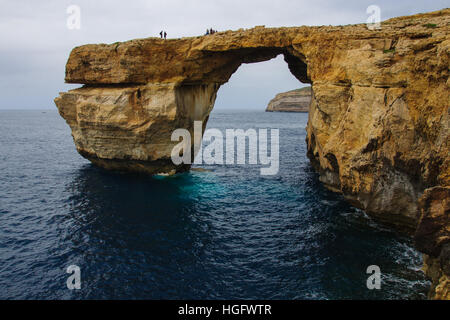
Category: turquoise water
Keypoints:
(228, 233)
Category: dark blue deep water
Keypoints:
(226, 233)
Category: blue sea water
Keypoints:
(228, 233)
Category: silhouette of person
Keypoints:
(161, 34)
(165, 35)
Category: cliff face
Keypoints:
(378, 128)
(291, 101)
(129, 127)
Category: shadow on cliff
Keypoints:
(119, 223)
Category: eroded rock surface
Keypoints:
(291, 101)
(378, 128)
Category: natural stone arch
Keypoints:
(378, 122)
(149, 100)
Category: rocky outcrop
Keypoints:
(291, 101)
(378, 129)
(433, 238)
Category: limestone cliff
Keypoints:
(378, 129)
(291, 101)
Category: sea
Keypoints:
(218, 232)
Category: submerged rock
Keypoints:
(378, 129)
(292, 101)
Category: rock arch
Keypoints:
(378, 122)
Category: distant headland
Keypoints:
(297, 100)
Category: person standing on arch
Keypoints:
(161, 34)
(165, 35)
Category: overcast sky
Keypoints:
(35, 41)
